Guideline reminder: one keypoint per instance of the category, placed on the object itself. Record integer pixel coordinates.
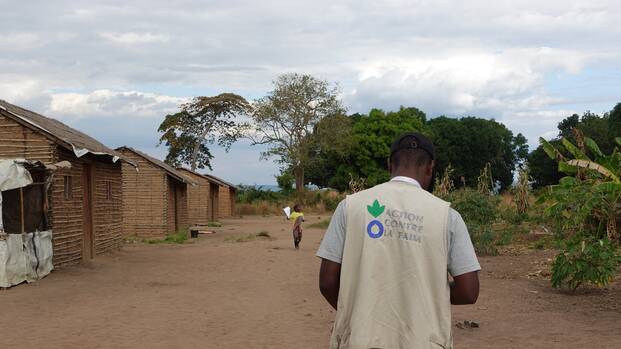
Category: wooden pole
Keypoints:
(21, 205)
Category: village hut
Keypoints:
(226, 200)
(155, 197)
(212, 199)
(82, 200)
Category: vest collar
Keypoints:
(405, 179)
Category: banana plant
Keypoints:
(592, 191)
(585, 206)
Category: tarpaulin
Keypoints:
(13, 175)
(25, 257)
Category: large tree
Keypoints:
(543, 170)
(202, 122)
(285, 119)
(469, 143)
(331, 152)
(365, 149)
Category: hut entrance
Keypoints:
(176, 199)
(214, 194)
(24, 210)
(87, 203)
(173, 206)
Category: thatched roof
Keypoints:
(77, 142)
(159, 163)
(210, 178)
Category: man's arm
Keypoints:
(330, 281)
(465, 288)
(331, 254)
(463, 263)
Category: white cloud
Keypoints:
(134, 38)
(18, 90)
(459, 84)
(525, 63)
(113, 103)
(19, 41)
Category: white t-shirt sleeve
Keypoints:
(333, 242)
(462, 258)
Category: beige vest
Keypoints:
(394, 290)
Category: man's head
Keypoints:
(297, 208)
(413, 155)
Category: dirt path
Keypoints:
(215, 293)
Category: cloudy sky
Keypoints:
(114, 68)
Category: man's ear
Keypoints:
(430, 167)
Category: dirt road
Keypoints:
(218, 293)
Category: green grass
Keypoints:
(214, 224)
(177, 238)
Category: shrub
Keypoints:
(479, 211)
(252, 194)
(475, 208)
(483, 239)
(511, 215)
(331, 202)
(585, 260)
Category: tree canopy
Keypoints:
(286, 119)
(467, 144)
(202, 122)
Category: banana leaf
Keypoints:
(593, 147)
(577, 153)
(550, 150)
(591, 165)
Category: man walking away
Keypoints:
(387, 256)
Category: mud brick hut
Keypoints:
(155, 200)
(226, 197)
(83, 200)
(210, 200)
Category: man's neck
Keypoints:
(414, 176)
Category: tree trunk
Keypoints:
(197, 147)
(299, 179)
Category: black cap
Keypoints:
(413, 140)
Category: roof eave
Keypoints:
(78, 152)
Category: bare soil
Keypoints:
(218, 293)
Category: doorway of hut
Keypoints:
(87, 206)
(173, 207)
(214, 195)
